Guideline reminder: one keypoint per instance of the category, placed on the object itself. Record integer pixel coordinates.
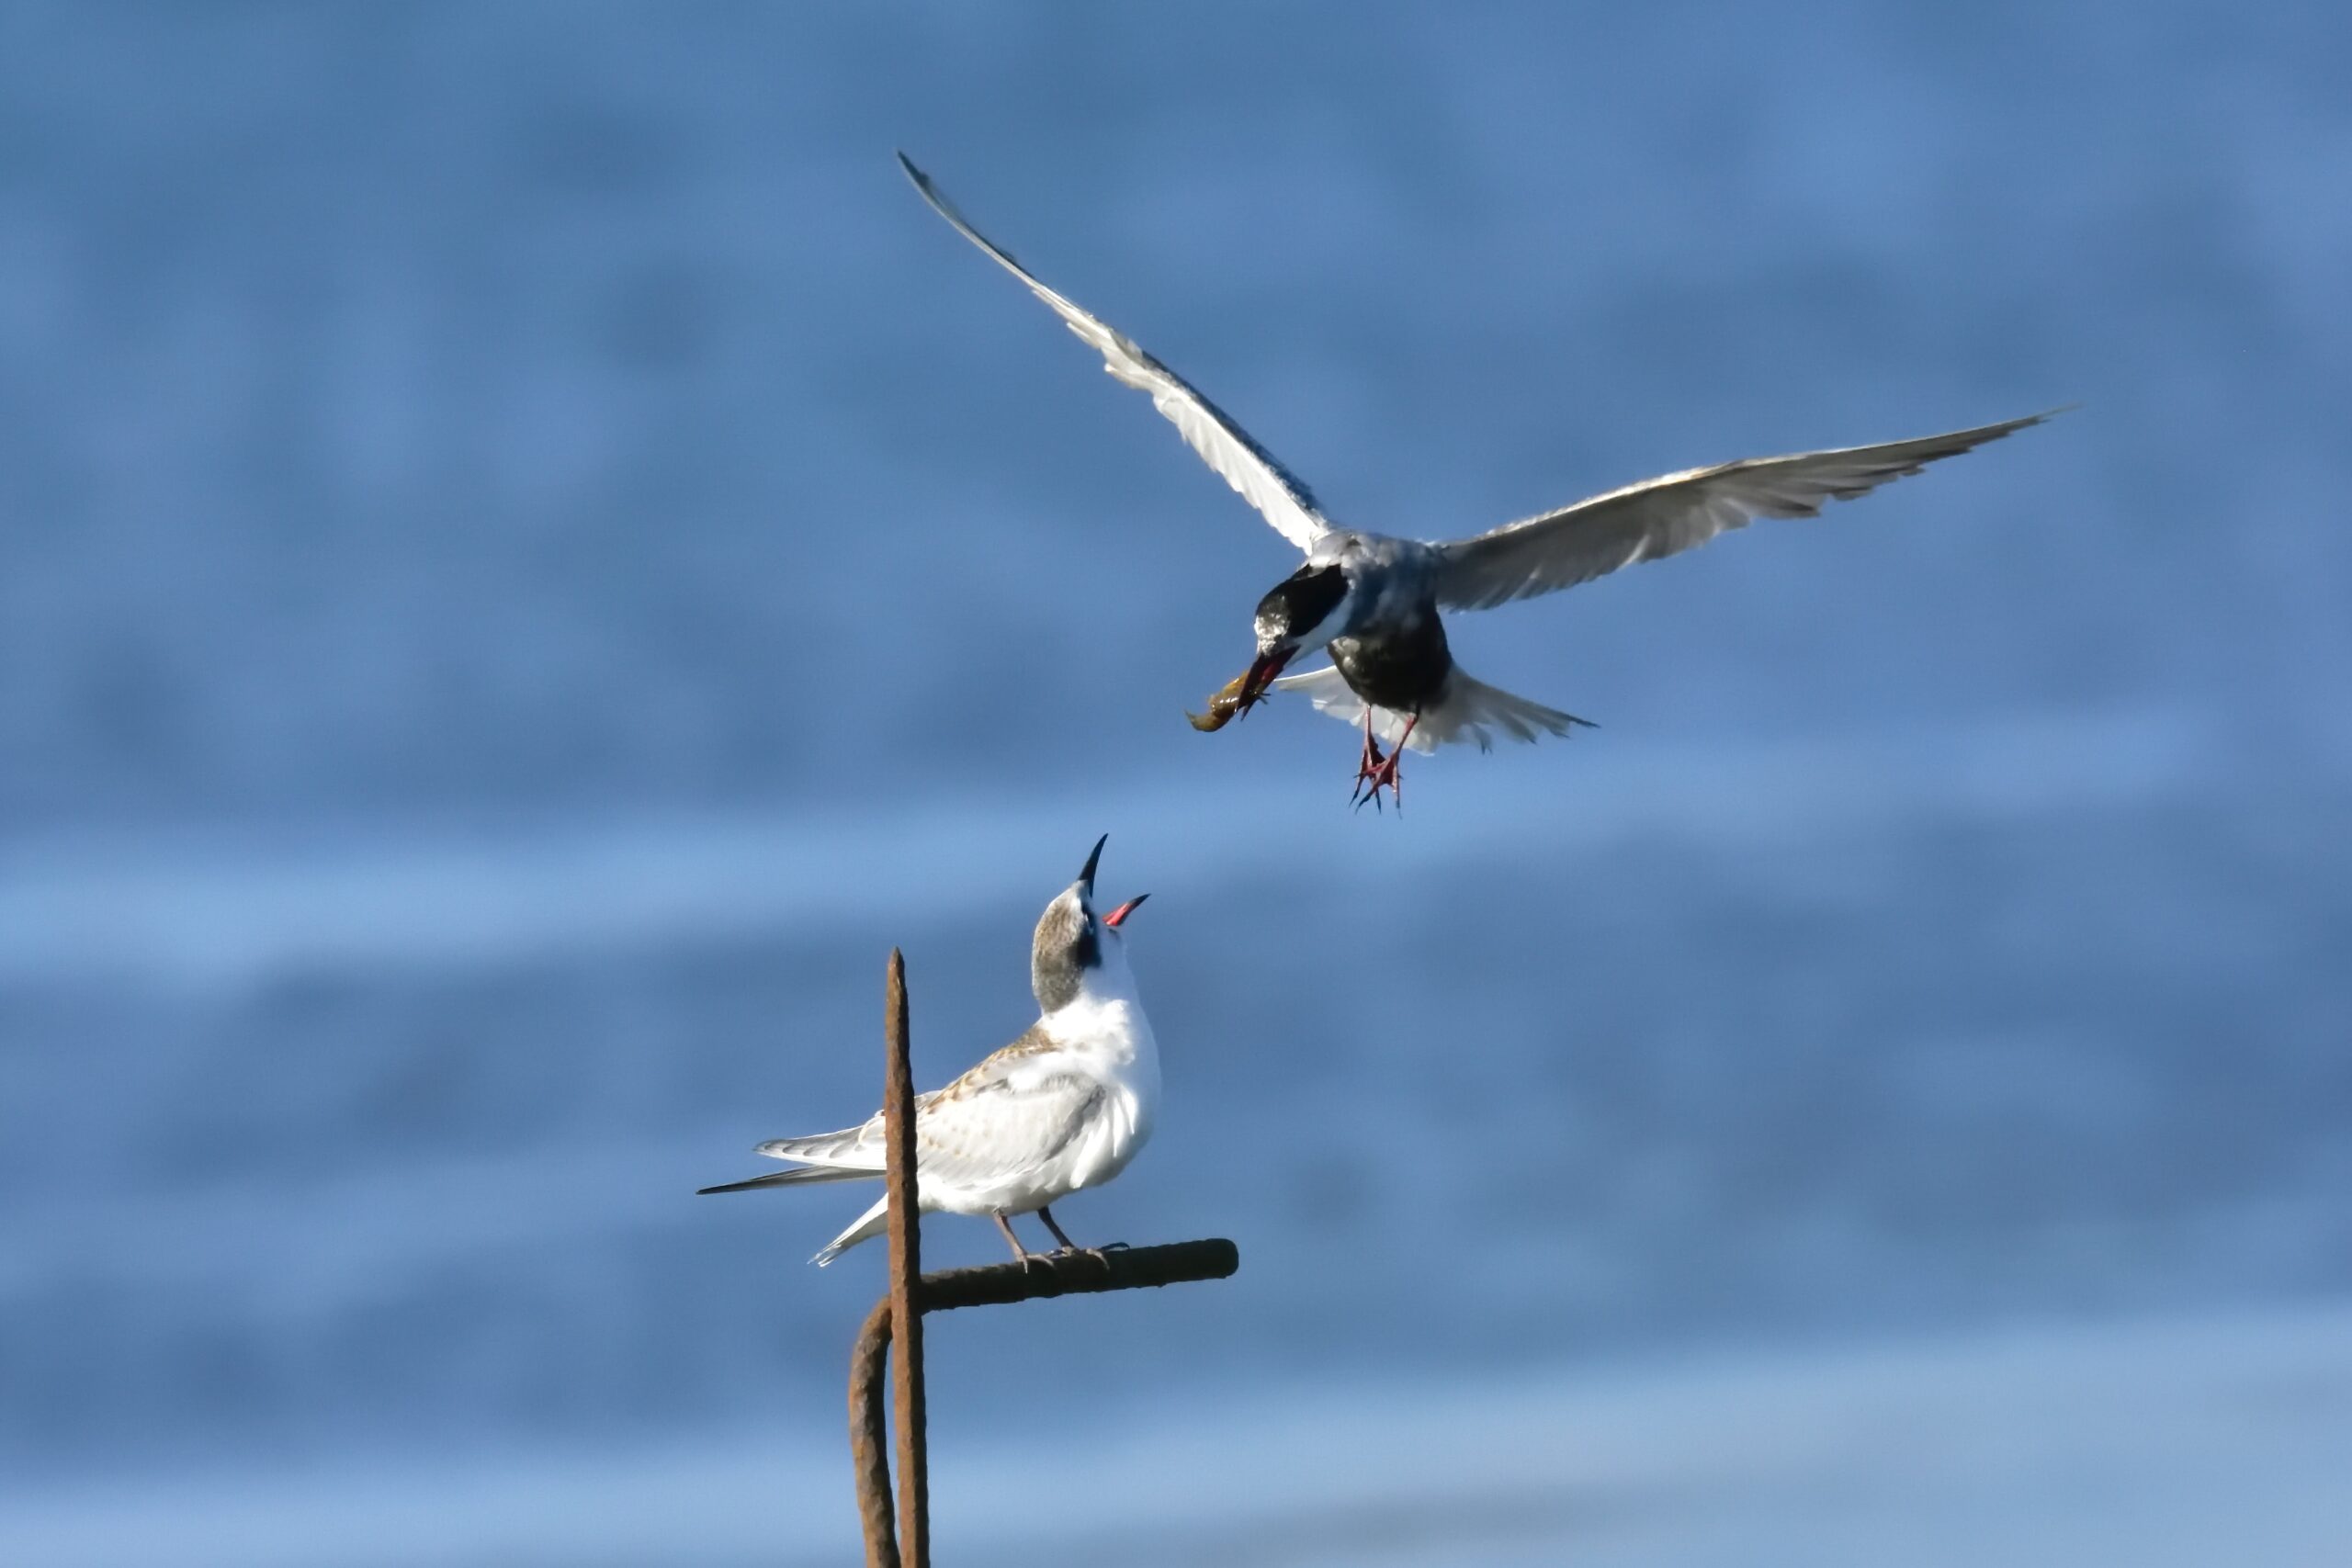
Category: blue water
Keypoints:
(528, 561)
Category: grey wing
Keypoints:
(1249, 468)
(1664, 516)
(1001, 1116)
(857, 1148)
(991, 1126)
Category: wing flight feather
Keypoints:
(1679, 512)
(1250, 468)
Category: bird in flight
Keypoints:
(1064, 1107)
(1374, 601)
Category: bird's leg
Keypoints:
(1387, 771)
(1370, 762)
(1096, 1253)
(1019, 1251)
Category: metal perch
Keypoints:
(906, 1543)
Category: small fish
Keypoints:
(1225, 703)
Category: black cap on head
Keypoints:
(1297, 604)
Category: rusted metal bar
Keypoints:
(869, 1438)
(1080, 1273)
(906, 1275)
(995, 1284)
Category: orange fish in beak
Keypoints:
(1241, 693)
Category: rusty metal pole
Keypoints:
(898, 1316)
(869, 1437)
(991, 1284)
(906, 1277)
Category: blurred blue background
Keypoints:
(528, 561)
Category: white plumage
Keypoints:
(1062, 1108)
(1465, 709)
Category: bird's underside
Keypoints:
(1464, 710)
(1383, 677)
(1399, 685)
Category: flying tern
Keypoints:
(1374, 601)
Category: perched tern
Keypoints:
(1372, 600)
(1065, 1106)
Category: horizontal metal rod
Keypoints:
(1050, 1274)
(1077, 1273)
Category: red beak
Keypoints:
(1124, 910)
(1263, 670)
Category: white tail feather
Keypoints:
(871, 1223)
(1468, 710)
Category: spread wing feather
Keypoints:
(1679, 511)
(1208, 430)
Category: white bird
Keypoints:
(1064, 1107)
(1372, 600)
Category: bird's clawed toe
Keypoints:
(1099, 1255)
(1374, 773)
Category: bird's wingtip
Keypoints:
(2044, 417)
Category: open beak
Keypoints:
(1260, 675)
(1242, 693)
(1124, 910)
(1086, 877)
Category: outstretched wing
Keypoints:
(1664, 516)
(1206, 429)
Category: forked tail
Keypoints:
(1468, 710)
(871, 1223)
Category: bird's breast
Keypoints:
(1399, 662)
(1119, 1129)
